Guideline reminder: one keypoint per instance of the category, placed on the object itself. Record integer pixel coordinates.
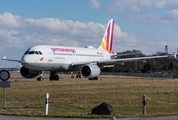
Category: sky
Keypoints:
(145, 25)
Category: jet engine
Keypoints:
(27, 73)
(90, 71)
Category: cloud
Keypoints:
(54, 29)
(170, 17)
(118, 33)
(95, 4)
(10, 38)
(9, 20)
(140, 5)
(51, 26)
(135, 9)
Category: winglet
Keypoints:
(4, 58)
(173, 55)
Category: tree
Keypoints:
(146, 68)
(171, 66)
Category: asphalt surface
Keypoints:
(5, 117)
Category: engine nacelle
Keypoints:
(27, 73)
(90, 71)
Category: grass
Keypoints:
(77, 98)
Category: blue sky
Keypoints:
(145, 25)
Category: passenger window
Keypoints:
(40, 52)
(31, 52)
(36, 52)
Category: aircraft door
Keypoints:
(50, 55)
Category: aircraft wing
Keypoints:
(4, 58)
(130, 59)
(126, 54)
(118, 60)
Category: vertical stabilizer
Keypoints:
(106, 43)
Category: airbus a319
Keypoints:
(87, 61)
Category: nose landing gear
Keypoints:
(40, 78)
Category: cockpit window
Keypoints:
(36, 52)
(31, 52)
(26, 52)
(40, 52)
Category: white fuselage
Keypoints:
(60, 58)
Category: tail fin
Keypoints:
(106, 43)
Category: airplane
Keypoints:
(88, 61)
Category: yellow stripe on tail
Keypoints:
(106, 43)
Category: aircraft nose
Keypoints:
(26, 61)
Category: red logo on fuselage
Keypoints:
(41, 58)
(63, 50)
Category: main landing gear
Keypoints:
(77, 76)
(53, 76)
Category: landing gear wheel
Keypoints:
(56, 77)
(72, 75)
(51, 78)
(78, 76)
(39, 79)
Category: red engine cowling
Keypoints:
(27, 73)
